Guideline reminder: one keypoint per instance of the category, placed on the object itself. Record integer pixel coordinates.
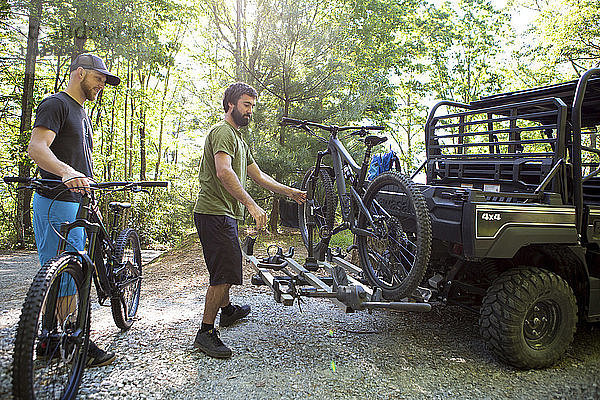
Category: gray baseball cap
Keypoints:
(91, 61)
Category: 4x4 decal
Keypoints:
(491, 221)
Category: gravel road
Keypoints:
(286, 353)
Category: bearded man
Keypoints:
(225, 164)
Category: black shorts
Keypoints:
(221, 247)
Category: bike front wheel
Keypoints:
(127, 277)
(324, 205)
(395, 253)
(53, 332)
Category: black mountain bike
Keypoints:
(388, 215)
(54, 329)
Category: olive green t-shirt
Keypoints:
(213, 198)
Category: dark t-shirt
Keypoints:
(73, 142)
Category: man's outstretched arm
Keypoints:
(271, 184)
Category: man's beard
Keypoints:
(88, 91)
(238, 118)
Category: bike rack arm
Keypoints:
(269, 279)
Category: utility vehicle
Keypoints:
(513, 192)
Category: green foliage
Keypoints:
(343, 240)
(562, 41)
(338, 62)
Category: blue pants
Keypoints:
(46, 215)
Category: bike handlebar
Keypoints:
(101, 185)
(330, 128)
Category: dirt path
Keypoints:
(283, 352)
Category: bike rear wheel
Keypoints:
(53, 333)
(395, 255)
(127, 275)
(325, 203)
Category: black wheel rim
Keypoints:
(541, 324)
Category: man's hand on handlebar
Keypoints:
(76, 182)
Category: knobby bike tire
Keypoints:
(127, 277)
(396, 254)
(325, 205)
(50, 351)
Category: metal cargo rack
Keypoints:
(336, 280)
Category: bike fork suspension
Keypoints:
(311, 261)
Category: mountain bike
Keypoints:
(388, 215)
(53, 333)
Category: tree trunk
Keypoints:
(142, 130)
(57, 76)
(131, 101)
(162, 123)
(286, 110)
(111, 143)
(23, 221)
(238, 42)
(142, 127)
(130, 176)
(274, 217)
(125, 127)
(175, 156)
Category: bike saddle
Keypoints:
(373, 140)
(115, 205)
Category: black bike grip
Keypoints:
(16, 179)
(290, 121)
(51, 183)
(153, 184)
(374, 128)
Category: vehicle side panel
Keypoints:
(500, 230)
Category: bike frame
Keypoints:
(95, 231)
(350, 202)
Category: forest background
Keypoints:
(335, 61)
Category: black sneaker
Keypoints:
(210, 343)
(239, 313)
(97, 357)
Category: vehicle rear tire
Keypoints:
(325, 203)
(528, 317)
(395, 256)
(50, 352)
(127, 276)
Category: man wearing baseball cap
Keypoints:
(61, 145)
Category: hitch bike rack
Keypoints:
(289, 280)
